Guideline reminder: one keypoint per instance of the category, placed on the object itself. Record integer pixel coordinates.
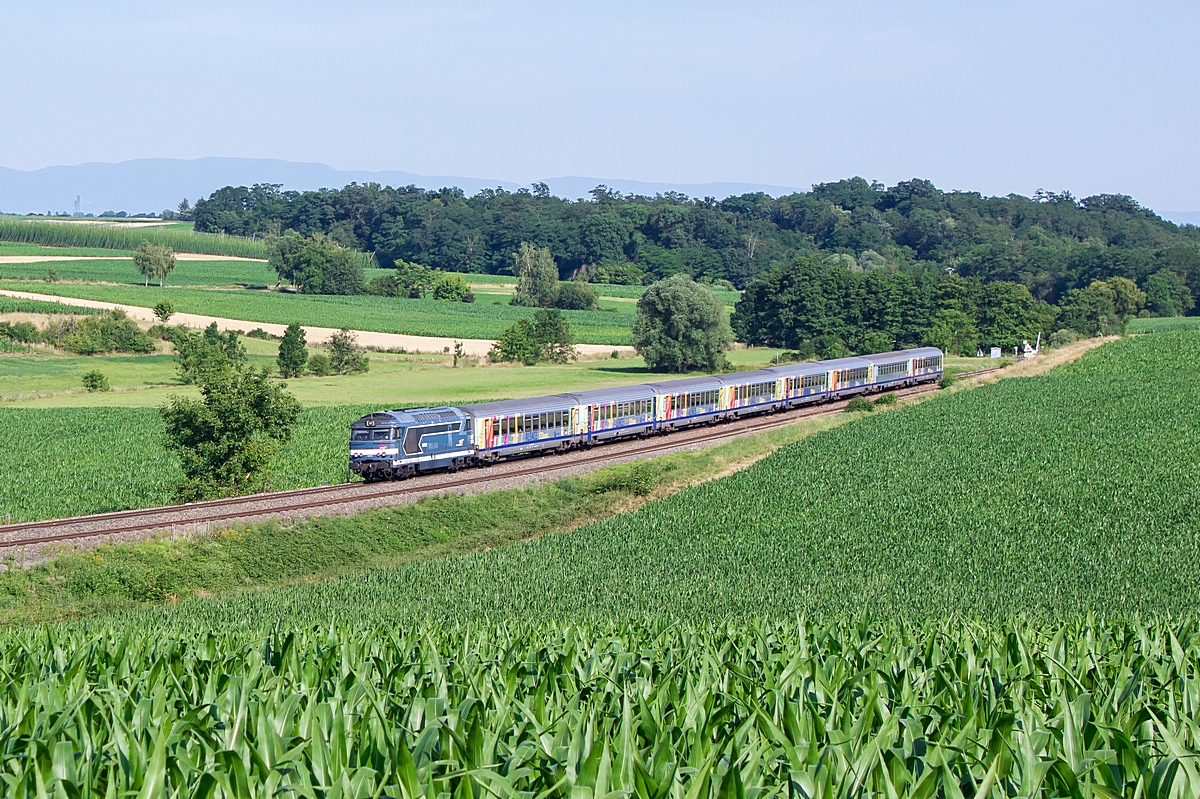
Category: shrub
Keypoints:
(575, 296)
(24, 332)
(859, 405)
(95, 381)
(164, 310)
(886, 399)
(946, 382)
(453, 288)
(95, 335)
(318, 364)
(1061, 338)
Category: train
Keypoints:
(394, 445)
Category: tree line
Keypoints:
(821, 308)
(1050, 243)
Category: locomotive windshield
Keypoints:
(382, 434)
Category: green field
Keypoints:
(11, 305)
(1162, 325)
(119, 460)
(1003, 500)
(992, 593)
(187, 273)
(425, 317)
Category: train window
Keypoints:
(381, 435)
(360, 435)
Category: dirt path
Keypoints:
(314, 335)
(179, 256)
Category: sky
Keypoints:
(996, 97)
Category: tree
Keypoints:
(1090, 311)
(954, 333)
(553, 336)
(317, 265)
(518, 342)
(575, 296)
(414, 279)
(1167, 294)
(453, 288)
(208, 355)
(164, 310)
(1128, 299)
(537, 276)
(227, 440)
(547, 337)
(153, 261)
(680, 326)
(293, 355)
(344, 356)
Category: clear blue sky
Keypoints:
(992, 96)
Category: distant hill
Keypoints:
(152, 184)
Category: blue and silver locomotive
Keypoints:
(393, 445)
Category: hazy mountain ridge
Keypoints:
(153, 184)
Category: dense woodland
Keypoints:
(1051, 243)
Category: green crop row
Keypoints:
(18, 249)
(425, 317)
(647, 711)
(1163, 324)
(125, 237)
(75, 461)
(14, 305)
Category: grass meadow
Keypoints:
(425, 317)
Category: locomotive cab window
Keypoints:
(360, 435)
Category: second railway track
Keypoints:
(304, 500)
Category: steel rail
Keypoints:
(364, 491)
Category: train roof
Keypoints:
(797, 369)
(853, 362)
(755, 376)
(900, 355)
(614, 394)
(519, 406)
(687, 384)
(410, 416)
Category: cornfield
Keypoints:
(932, 602)
(650, 710)
(128, 237)
(73, 461)
(120, 237)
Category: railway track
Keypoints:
(282, 503)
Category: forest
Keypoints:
(1051, 243)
